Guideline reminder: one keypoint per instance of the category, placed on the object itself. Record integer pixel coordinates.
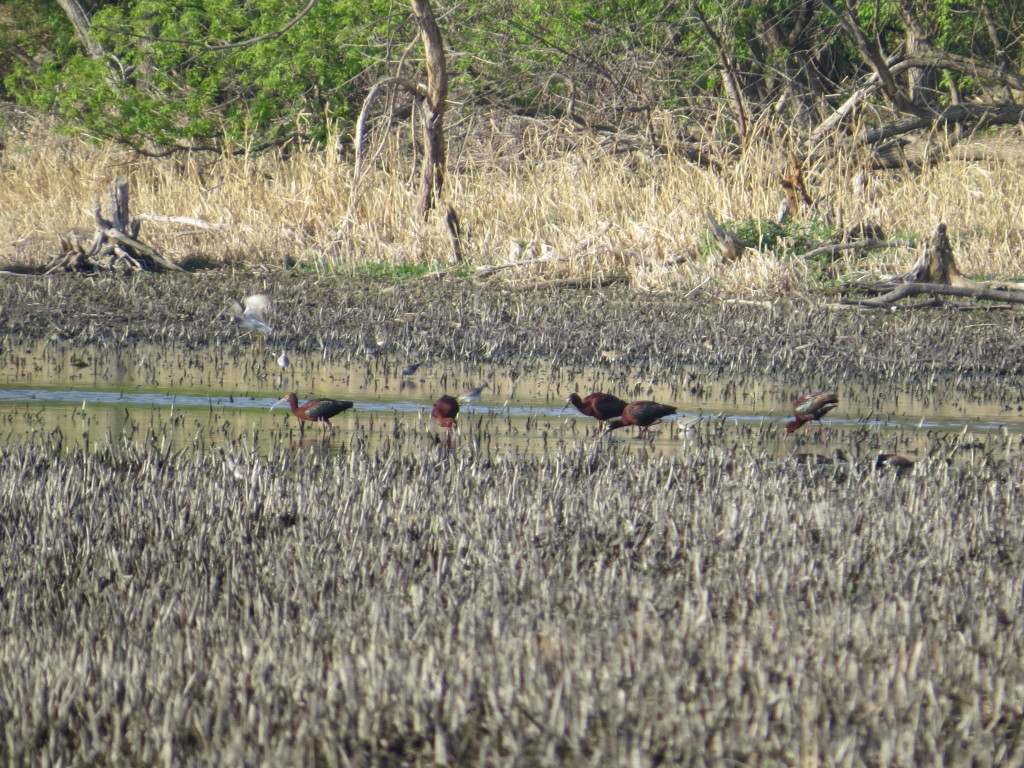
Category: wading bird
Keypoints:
(643, 414)
(473, 396)
(410, 369)
(901, 463)
(446, 408)
(322, 409)
(249, 314)
(811, 408)
(597, 405)
(283, 361)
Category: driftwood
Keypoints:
(936, 274)
(115, 246)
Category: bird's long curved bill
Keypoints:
(282, 401)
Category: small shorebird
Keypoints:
(473, 395)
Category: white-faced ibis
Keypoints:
(446, 408)
(597, 405)
(322, 409)
(811, 408)
(249, 314)
(410, 369)
(643, 414)
(473, 395)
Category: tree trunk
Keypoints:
(432, 106)
(938, 264)
(76, 15)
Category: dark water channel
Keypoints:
(221, 397)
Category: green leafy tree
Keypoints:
(176, 74)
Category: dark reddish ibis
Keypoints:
(323, 409)
(643, 414)
(597, 405)
(446, 408)
(811, 408)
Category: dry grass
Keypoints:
(521, 191)
(399, 606)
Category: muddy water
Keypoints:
(221, 396)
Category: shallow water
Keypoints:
(221, 396)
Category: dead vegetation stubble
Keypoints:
(397, 606)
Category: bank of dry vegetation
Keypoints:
(524, 190)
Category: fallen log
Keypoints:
(939, 289)
(936, 274)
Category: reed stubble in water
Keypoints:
(398, 605)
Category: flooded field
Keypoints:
(214, 397)
(188, 577)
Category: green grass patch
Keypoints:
(396, 272)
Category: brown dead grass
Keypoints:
(519, 196)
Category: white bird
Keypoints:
(283, 361)
(249, 314)
(473, 395)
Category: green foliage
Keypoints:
(165, 82)
(374, 270)
(392, 272)
(789, 239)
(172, 76)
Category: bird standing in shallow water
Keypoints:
(322, 409)
(597, 405)
(643, 414)
(811, 408)
(249, 314)
(473, 396)
(445, 409)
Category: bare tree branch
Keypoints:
(80, 21)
